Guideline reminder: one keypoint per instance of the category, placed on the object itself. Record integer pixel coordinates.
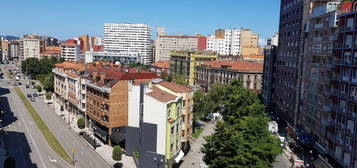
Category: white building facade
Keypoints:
(120, 37)
(29, 48)
(71, 52)
(227, 43)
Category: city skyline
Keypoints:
(69, 19)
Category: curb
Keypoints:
(48, 144)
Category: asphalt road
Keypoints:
(24, 140)
(85, 156)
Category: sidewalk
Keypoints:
(194, 157)
(105, 151)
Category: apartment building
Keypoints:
(183, 63)
(270, 54)
(225, 42)
(155, 133)
(288, 63)
(187, 108)
(5, 50)
(224, 72)
(70, 52)
(160, 66)
(164, 44)
(30, 47)
(85, 43)
(341, 134)
(120, 37)
(14, 50)
(315, 112)
(107, 99)
(69, 89)
(112, 56)
(249, 42)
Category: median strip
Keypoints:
(50, 138)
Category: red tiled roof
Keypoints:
(162, 64)
(253, 56)
(236, 65)
(161, 95)
(174, 87)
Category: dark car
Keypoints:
(32, 99)
(20, 83)
(27, 86)
(29, 96)
(35, 95)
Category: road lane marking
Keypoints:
(28, 131)
(52, 160)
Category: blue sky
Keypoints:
(68, 18)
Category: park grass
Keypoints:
(50, 138)
(197, 132)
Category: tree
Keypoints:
(117, 152)
(242, 139)
(39, 88)
(180, 79)
(48, 82)
(81, 123)
(246, 144)
(48, 95)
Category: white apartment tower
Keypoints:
(30, 47)
(225, 42)
(71, 52)
(120, 37)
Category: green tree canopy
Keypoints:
(242, 139)
(117, 152)
(81, 123)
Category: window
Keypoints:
(168, 113)
(172, 129)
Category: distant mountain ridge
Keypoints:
(7, 37)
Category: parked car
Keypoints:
(35, 95)
(27, 86)
(32, 99)
(29, 96)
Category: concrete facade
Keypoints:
(183, 63)
(122, 37)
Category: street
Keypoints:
(40, 153)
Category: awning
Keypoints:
(179, 156)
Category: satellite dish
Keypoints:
(117, 62)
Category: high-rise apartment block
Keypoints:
(14, 50)
(225, 42)
(166, 43)
(315, 114)
(120, 37)
(270, 54)
(30, 47)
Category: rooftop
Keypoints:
(244, 66)
(174, 87)
(178, 36)
(162, 64)
(161, 95)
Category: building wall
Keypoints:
(250, 50)
(158, 116)
(270, 53)
(286, 94)
(70, 52)
(118, 105)
(202, 43)
(5, 50)
(129, 38)
(165, 44)
(225, 42)
(30, 48)
(248, 38)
